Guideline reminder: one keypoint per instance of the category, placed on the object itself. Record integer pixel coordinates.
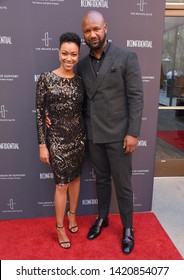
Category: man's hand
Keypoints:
(44, 153)
(47, 120)
(130, 144)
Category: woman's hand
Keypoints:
(44, 153)
(47, 120)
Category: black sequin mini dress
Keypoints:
(65, 139)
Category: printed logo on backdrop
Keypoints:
(3, 115)
(145, 44)
(3, 111)
(9, 146)
(147, 79)
(46, 39)
(142, 143)
(48, 2)
(91, 201)
(5, 40)
(46, 176)
(46, 203)
(141, 8)
(140, 172)
(36, 77)
(12, 176)
(84, 43)
(91, 177)
(8, 77)
(141, 4)
(2, 8)
(46, 43)
(95, 3)
(11, 207)
(135, 202)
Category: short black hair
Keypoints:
(70, 37)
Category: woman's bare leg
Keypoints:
(60, 199)
(73, 191)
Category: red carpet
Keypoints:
(175, 138)
(36, 239)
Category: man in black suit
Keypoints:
(114, 108)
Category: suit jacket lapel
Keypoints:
(107, 63)
(88, 74)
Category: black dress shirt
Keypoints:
(97, 62)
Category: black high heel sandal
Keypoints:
(63, 244)
(72, 229)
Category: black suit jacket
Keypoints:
(114, 98)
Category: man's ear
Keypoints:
(105, 27)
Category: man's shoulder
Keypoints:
(82, 65)
(120, 50)
(84, 59)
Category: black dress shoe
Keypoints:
(95, 230)
(128, 240)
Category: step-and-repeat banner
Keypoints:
(29, 32)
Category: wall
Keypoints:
(28, 46)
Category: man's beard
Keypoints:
(99, 46)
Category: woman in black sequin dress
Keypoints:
(62, 145)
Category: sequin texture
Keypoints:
(65, 139)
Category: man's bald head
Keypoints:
(93, 15)
(94, 29)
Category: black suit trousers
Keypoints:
(109, 160)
